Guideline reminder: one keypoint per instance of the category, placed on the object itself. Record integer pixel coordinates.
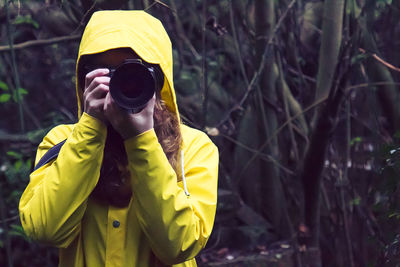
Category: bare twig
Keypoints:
(161, 3)
(84, 17)
(277, 131)
(286, 105)
(179, 29)
(27, 44)
(14, 68)
(302, 75)
(264, 156)
(363, 85)
(236, 42)
(204, 65)
(345, 183)
(7, 138)
(313, 105)
(380, 60)
(10, 219)
(5, 228)
(257, 74)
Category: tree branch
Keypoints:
(32, 43)
(386, 64)
(257, 74)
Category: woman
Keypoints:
(127, 189)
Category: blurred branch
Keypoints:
(285, 90)
(363, 85)
(10, 219)
(385, 63)
(257, 74)
(7, 241)
(265, 157)
(14, 68)
(179, 29)
(85, 17)
(236, 42)
(267, 142)
(6, 137)
(301, 75)
(204, 64)
(344, 182)
(310, 107)
(161, 3)
(27, 44)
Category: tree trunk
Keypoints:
(387, 94)
(258, 124)
(324, 119)
(330, 46)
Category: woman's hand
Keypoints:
(129, 124)
(94, 95)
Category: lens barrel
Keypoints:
(133, 84)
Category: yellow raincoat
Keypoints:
(161, 220)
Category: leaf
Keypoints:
(4, 98)
(395, 214)
(14, 154)
(21, 92)
(26, 20)
(3, 86)
(17, 230)
(18, 165)
(185, 75)
(358, 58)
(357, 139)
(356, 201)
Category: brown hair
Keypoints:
(166, 126)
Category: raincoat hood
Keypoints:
(137, 30)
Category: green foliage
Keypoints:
(5, 96)
(17, 230)
(18, 94)
(355, 202)
(355, 140)
(26, 20)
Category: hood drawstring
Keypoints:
(183, 176)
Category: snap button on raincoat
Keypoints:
(161, 224)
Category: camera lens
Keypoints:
(133, 79)
(132, 85)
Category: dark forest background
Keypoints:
(301, 97)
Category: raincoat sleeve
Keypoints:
(54, 201)
(176, 225)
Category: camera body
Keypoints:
(134, 82)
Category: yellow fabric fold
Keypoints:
(160, 224)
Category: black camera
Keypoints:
(134, 82)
